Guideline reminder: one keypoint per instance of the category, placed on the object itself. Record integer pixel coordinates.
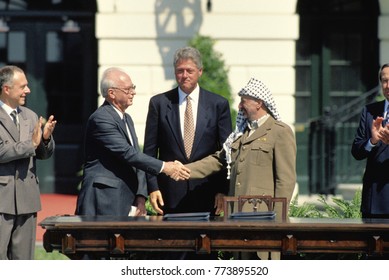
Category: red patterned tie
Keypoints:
(188, 127)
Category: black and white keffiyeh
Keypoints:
(258, 90)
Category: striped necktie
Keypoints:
(14, 118)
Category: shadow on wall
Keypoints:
(175, 19)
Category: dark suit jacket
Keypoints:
(163, 139)
(19, 184)
(375, 192)
(113, 167)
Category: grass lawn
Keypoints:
(41, 254)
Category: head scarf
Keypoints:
(258, 90)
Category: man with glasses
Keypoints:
(114, 181)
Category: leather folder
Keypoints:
(194, 216)
(264, 215)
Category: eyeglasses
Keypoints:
(128, 90)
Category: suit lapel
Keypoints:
(9, 125)
(381, 109)
(173, 118)
(24, 125)
(119, 121)
(202, 120)
(131, 127)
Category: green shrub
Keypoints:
(149, 209)
(305, 210)
(341, 210)
(344, 209)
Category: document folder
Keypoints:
(253, 215)
(194, 216)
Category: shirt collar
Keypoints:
(7, 108)
(121, 115)
(257, 123)
(194, 95)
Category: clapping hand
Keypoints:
(384, 134)
(48, 128)
(379, 132)
(37, 133)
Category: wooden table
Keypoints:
(110, 236)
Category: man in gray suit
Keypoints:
(114, 181)
(22, 141)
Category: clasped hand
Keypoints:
(176, 170)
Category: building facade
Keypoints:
(315, 55)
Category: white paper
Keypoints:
(132, 211)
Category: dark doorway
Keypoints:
(336, 62)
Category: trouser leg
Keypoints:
(22, 245)
(6, 227)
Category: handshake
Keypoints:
(176, 170)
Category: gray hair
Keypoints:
(7, 74)
(188, 53)
(108, 81)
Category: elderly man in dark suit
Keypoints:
(371, 143)
(21, 143)
(114, 181)
(166, 134)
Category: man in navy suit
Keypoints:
(114, 181)
(164, 139)
(371, 143)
